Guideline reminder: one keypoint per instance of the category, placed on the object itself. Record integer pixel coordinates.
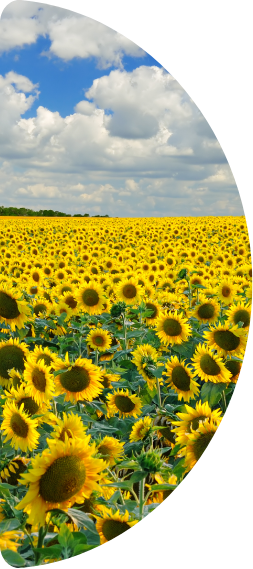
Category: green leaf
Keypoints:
(160, 487)
(81, 519)
(9, 525)
(65, 537)
(13, 558)
(51, 552)
(211, 392)
(137, 477)
(82, 548)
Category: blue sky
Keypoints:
(91, 123)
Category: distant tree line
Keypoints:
(23, 211)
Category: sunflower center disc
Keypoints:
(13, 478)
(226, 340)
(233, 366)
(8, 306)
(19, 426)
(195, 423)
(206, 310)
(70, 301)
(64, 478)
(75, 380)
(242, 316)
(30, 406)
(180, 378)
(201, 444)
(104, 451)
(209, 365)
(40, 308)
(225, 291)
(68, 433)
(47, 359)
(36, 277)
(39, 380)
(166, 432)
(98, 340)
(90, 297)
(124, 403)
(172, 327)
(11, 357)
(105, 380)
(129, 291)
(113, 528)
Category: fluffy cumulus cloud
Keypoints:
(134, 145)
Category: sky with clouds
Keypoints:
(90, 123)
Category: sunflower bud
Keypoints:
(118, 309)
(150, 461)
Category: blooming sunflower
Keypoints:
(153, 306)
(90, 298)
(197, 443)
(13, 310)
(172, 328)
(129, 291)
(122, 402)
(207, 311)
(145, 358)
(111, 450)
(226, 291)
(12, 356)
(99, 339)
(81, 380)
(190, 420)
(21, 396)
(209, 366)
(226, 340)
(11, 471)
(112, 525)
(39, 381)
(10, 540)
(44, 354)
(70, 426)
(239, 312)
(140, 429)
(179, 376)
(234, 366)
(64, 473)
(19, 427)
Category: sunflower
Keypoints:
(226, 340)
(10, 540)
(197, 443)
(145, 358)
(70, 426)
(70, 299)
(39, 381)
(107, 379)
(19, 427)
(234, 366)
(45, 355)
(153, 306)
(90, 298)
(21, 397)
(124, 403)
(16, 378)
(40, 307)
(140, 429)
(226, 291)
(179, 377)
(209, 366)
(112, 524)
(11, 471)
(190, 420)
(129, 291)
(207, 311)
(63, 474)
(62, 307)
(111, 450)
(12, 356)
(13, 310)
(99, 339)
(172, 328)
(80, 382)
(239, 312)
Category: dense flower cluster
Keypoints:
(121, 341)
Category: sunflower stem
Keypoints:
(96, 357)
(158, 393)
(141, 497)
(224, 400)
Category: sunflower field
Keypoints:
(121, 342)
